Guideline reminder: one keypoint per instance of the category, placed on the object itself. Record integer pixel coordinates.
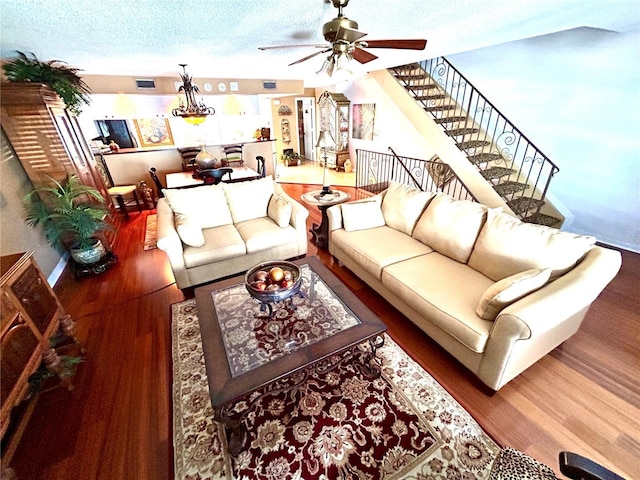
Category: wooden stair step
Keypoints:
(456, 132)
(509, 188)
(542, 219)
(408, 66)
(523, 205)
(422, 86)
(440, 108)
(496, 172)
(437, 96)
(484, 157)
(412, 76)
(453, 119)
(473, 144)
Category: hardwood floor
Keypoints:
(116, 424)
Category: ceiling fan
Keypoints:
(345, 43)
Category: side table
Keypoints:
(321, 232)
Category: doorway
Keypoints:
(306, 119)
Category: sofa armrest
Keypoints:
(334, 214)
(169, 242)
(528, 329)
(299, 213)
(168, 238)
(571, 293)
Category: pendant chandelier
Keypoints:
(194, 112)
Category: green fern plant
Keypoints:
(64, 80)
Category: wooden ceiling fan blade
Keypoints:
(348, 34)
(273, 47)
(406, 44)
(363, 56)
(309, 56)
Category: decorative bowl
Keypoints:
(272, 294)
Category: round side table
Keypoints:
(321, 232)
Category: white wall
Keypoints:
(15, 235)
(236, 118)
(576, 95)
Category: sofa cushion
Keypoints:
(451, 226)
(376, 248)
(263, 233)
(508, 290)
(361, 215)
(249, 200)
(205, 205)
(402, 206)
(445, 292)
(506, 246)
(189, 230)
(220, 243)
(279, 210)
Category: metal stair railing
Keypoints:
(515, 167)
(375, 170)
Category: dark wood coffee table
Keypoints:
(244, 349)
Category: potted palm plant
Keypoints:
(64, 80)
(71, 214)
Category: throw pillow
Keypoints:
(189, 231)
(402, 206)
(249, 200)
(451, 226)
(508, 290)
(507, 245)
(361, 216)
(205, 205)
(279, 210)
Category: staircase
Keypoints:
(505, 158)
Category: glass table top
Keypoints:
(252, 339)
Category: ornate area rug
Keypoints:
(336, 424)
(150, 234)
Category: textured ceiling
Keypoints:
(220, 38)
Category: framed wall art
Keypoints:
(364, 115)
(153, 132)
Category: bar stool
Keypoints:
(117, 191)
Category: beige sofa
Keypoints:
(496, 293)
(212, 231)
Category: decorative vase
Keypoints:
(205, 159)
(88, 255)
(114, 146)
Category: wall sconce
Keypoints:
(195, 112)
(325, 140)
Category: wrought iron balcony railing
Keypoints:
(375, 170)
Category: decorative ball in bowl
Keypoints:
(273, 281)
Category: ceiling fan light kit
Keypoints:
(194, 112)
(345, 45)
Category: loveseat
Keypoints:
(496, 293)
(213, 231)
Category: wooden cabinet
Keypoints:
(30, 314)
(334, 118)
(47, 139)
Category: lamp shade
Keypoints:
(325, 139)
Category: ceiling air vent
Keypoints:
(269, 84)
(145, 83)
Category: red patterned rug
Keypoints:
(335, 424)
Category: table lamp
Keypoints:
(325, 140)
